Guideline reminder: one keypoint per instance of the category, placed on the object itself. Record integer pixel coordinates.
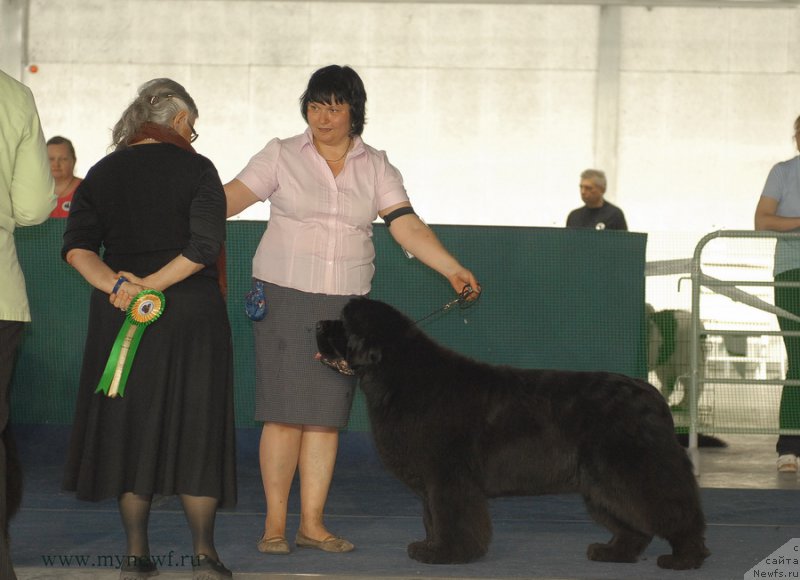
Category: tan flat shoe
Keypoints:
(273, 545)
(329, 544)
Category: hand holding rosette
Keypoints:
(124, 290)
(145, 308)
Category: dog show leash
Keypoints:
(461, 300)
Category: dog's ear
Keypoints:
(360, 354)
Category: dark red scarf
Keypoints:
(163, 134)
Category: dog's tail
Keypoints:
(702, 440)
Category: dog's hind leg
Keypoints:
(668, 378)
(626, 544)
(683, 528)
(457, 524)
(687, 553)
(676, 514)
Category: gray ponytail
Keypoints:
(159, 100)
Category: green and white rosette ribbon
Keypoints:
(145, 308)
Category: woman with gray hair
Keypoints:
(155, 210)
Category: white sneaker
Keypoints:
(787, 463)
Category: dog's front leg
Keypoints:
(457, 523)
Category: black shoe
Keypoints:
(137, 568)
(205, 568)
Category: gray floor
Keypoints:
(750, 508)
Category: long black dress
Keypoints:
(173, 430)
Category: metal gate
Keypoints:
(743, 279)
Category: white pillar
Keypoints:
(606, 123)
(12, 36)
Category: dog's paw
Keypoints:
(429, 553)
(683, 562)
(670, 562)
(609, 553)
(423, 552)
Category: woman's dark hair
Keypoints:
(337, 84)
(59, 140)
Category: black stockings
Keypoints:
(135, 512)
(200, 513)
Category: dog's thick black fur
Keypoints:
(458, 431)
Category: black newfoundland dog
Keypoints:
(458, 431)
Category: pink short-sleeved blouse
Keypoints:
(319, 237)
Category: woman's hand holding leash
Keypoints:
(463, 279)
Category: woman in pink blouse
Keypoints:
(326, 187)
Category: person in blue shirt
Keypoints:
(778, 210)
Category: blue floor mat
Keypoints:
(534, 537)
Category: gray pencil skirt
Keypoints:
(291, 386)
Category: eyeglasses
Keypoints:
(156, 98)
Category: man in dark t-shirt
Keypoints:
(597, 213)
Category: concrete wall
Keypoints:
(490, 110)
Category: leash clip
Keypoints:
(462, 302)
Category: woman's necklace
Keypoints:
(346, 151)
(65, 189)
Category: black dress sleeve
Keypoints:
(83, 228)
(207, 220)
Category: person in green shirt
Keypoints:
(26, 199)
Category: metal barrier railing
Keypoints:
(698, 333)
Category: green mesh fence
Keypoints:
(553, 298)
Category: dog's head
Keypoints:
(361, 337)
(332, 345)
